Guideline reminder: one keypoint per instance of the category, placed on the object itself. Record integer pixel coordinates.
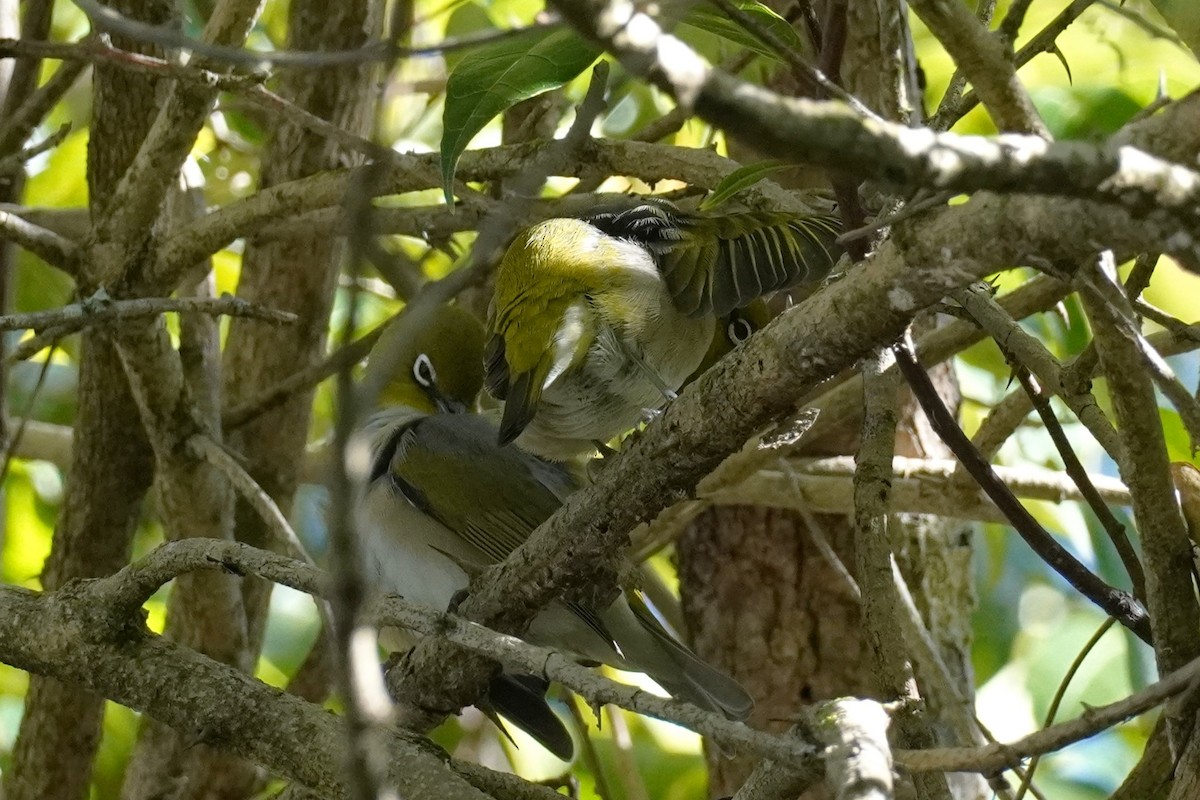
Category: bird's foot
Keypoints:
(594, 466)
(457, 600)
(651, 414)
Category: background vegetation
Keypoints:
(1028, 627)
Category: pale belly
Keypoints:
(400, 552)
(612, 394)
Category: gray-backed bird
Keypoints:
(444, 497)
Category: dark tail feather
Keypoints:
(522, 700)
(696, 681)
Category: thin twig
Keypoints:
(1126, 608)
(207, 449)
(13, 445)
(1140, 275)
(958, 81)
(994, 757)
(1059, 694)
(1010, 26)
(101, 309)
(1029, 351)
(55, 250)
(17, 160)
(113, 21)
(274, 396)
(818, 80)
(952, 111)
(1075, 469)
(984, 59)
(591, 757)
(21, 123)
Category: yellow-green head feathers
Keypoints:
(731, 331)
(440, 362)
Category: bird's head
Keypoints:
(731, 331)
(439, 367)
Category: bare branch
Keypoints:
(983, 59)
(211, 702)
(1075, 469)
(21, 124)
(829, 134)
(55, 250)
(858, 758)
(272, 397)
(1116, 603)
(100, 309)
(1029, 352)
(953, 108)
(894, 678)
(1170, 595)
(994, 757)
(110, 19)
(119, 596)
(137, 199)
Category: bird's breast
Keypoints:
(405, 551)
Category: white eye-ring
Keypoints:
(424, 372)
(739, 330)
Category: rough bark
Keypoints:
(111, 467)
(296, 273)
(760, 599)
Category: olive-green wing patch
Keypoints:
(725, 261)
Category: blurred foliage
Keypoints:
(1029, 626)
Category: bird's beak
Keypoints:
(446, 404)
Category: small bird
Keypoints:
(444, 498)
(597, 320)
(732, 331)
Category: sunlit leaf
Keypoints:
(739, 180)
(493, 78)
(711, 19)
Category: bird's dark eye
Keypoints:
(424, 372)
(739, 330)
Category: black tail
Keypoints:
(522, 700)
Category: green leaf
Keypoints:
(712, 20)
(494, 78)
(1084, 112)
(739, 180)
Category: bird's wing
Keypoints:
(532, 335)
(715, 262)
(725, 261)
(696, 681)
(485, 494)
(520, 391)
(495, 515)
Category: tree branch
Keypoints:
(210, 703)
(984, 60)
(1170, 594)
(1116, 603)
(827, 133)
(995, 757)
(55, 250)
(100, 309)
(752, 387)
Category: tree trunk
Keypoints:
(760, 598)
(111, 465)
